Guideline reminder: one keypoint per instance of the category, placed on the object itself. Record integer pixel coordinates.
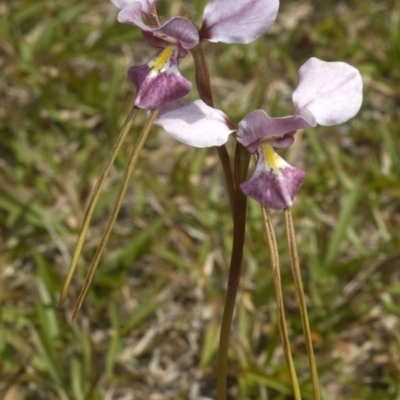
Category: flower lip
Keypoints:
(159, 82)
(274, 183)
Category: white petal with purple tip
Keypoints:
(331, 91)
(237, 21)
(195, 124)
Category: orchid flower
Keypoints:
(328, 93)
(159, 81)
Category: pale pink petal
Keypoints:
(331, 91)
(195, 124)
(237, 21)
(159, 82)
(274, 182)
(258, 125)
(148, 6)
(177, 30)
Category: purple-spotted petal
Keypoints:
(237, 21)
(331, 91)
(258, 125)
(177, 30)
(274, 183)
(195, 124)
(159, 82)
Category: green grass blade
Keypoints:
(349, 204)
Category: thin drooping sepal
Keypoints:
(294, 262)
(133, 159)
(93, 200)
(276, 276)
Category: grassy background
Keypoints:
(149, 326)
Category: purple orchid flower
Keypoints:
(328, 93)
(159, 81)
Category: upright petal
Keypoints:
(237, 21)
(148, 6)
(258, 125)
(274, 182)
(331, 91)
(159, 82)
(195, 124)
(177, 30)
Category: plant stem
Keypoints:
(204, 89)
(134, 157)
(294, 260)
(94, 198)
(274, 257)
(239, 228)
(238, 203)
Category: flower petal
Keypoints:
(159, 82)
(274, 182)
(177, 30)
(155, 41)
(195, 124)
(258, 125)
(237, 21)
(331, 91)
(148, 6)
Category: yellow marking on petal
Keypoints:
(158, 63)
(273, 160)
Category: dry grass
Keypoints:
(148, 329)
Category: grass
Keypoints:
(148, 328)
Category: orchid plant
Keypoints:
(328, 93)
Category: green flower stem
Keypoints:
(274, 257)
(204, 89)
(294, 259)
(94, 198)
(134, 157)
(239, 227)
